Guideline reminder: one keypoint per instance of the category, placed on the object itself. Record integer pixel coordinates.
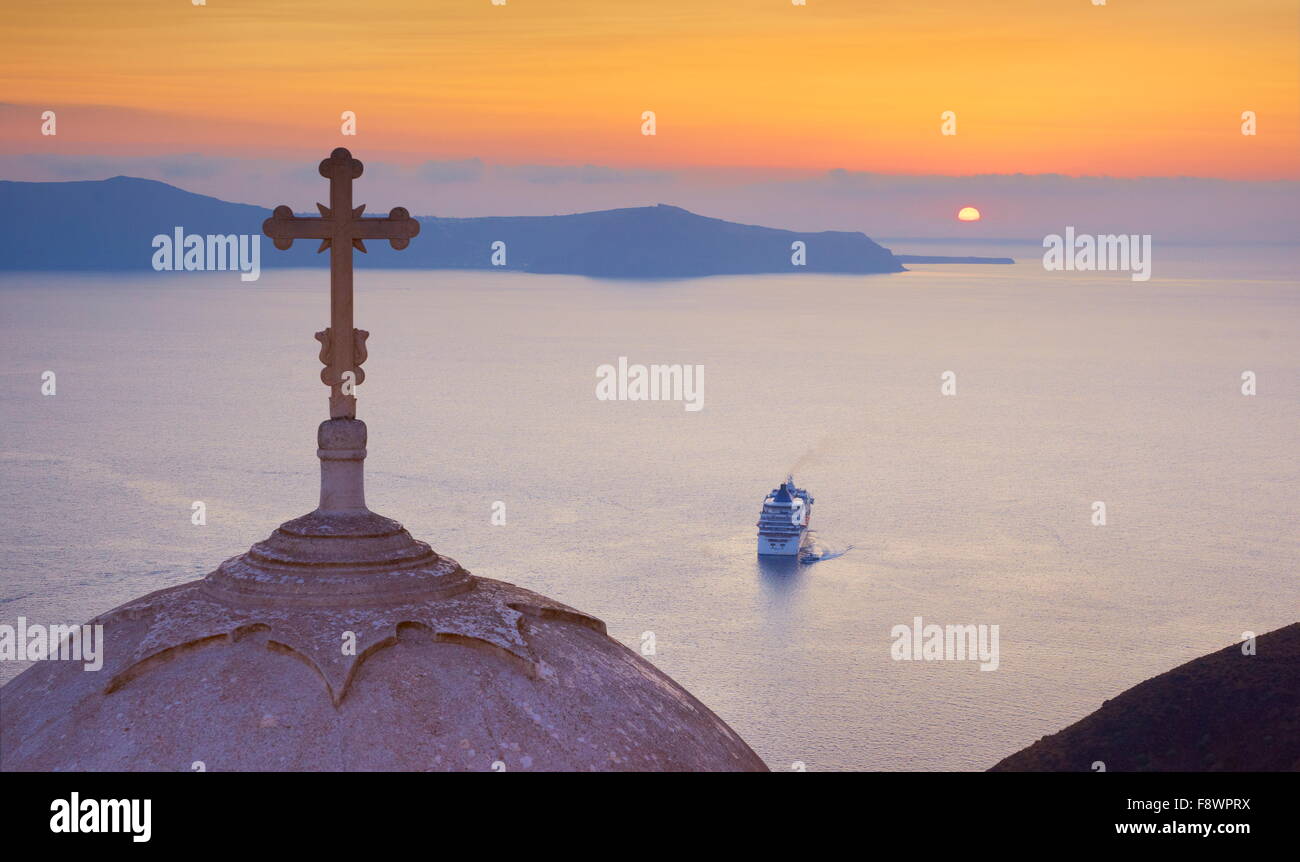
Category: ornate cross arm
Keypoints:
(341, 227)
(284, 227)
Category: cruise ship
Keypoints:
(784, 521)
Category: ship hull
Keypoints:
(779, 546)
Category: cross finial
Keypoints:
(340, 228)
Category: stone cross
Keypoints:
(340, 228)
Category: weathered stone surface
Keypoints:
(496, 673)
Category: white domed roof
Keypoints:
(493, 675)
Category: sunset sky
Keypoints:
(758, 88)
(1134, 87)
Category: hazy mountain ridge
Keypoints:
(110, 224)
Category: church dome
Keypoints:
(490, 677)
(342, 643)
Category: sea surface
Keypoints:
(975, 508)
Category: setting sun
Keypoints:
(968, 214)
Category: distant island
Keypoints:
(935, 258)
(108, 225)
(1224, 712)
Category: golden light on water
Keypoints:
(968, 214)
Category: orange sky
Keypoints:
(1134, 87)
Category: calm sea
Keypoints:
(977, 508)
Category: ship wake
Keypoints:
(815, 551)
